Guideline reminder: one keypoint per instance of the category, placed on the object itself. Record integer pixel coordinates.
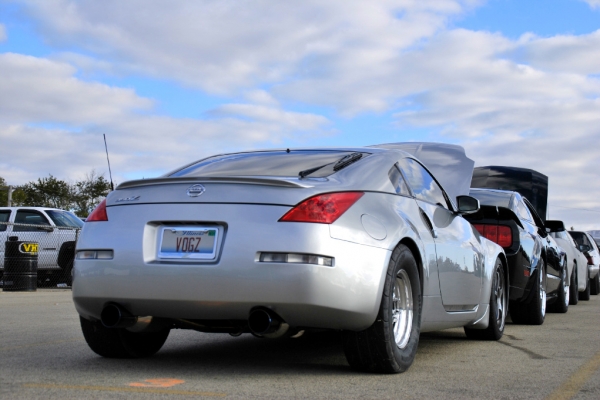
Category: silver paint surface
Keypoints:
(456, 266)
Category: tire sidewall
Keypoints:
(498, 331)
(403, 358)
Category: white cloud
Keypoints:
(52, 122)
(39, 90)
(593, 3)
(565, 53)
(222, 46)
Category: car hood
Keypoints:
(447, 162)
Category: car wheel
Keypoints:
(498, 308)
(595, 285)
(561, 305)
(120, 343)
(573, 289)
(390, 344)
(534, 312)
(585, 295)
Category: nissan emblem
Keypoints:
(195, 190)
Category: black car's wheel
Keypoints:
(595, 285)
(573, 287)
(390, 344)
(120, 343)
(561, 305)
(534, 312)
(498, 308)
(585, 295)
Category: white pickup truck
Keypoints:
(56, 232)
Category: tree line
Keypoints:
(80, 197)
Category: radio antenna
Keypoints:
(112, 187)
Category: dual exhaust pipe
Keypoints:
(261, 321)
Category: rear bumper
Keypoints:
(344, 296)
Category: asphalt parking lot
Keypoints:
(43, 355)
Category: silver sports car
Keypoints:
(361, 240)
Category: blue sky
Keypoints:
(514, 82)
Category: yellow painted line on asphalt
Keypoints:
(572, 386)
(39, 344)
(123, 389)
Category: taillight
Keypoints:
(500, 234)
(323, 208)
(99, 213)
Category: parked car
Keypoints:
(54, 230)
(589, 247)
(537, 266)
(363, 240)
(576, 260)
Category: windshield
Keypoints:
(267, 163)
(64, 219)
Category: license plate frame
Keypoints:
(185, 243)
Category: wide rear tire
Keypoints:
(585, 295)
(595, 284)
(498, 308)
(534, 312)
(390, 344)
(561, 304)
(120, 343)
(573, 287)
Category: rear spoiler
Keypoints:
(248, 180)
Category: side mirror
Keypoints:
(584, 247)
(467, 205)
(45, 228)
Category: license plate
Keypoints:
(188, 242)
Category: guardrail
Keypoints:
(55, 252)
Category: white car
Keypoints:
(589, 248)
(577, 263)
(56, 232)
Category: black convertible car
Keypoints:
(536, 264)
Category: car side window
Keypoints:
(4, 216)
(398, 181)
(422, 184)
(29, 217)
(523, 212)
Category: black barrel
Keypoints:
(20, 266)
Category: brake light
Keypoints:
(99, 213)
(499, 234)
(323, 208)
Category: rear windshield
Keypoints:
(492, 198)
(269, 163)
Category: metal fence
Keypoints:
(51, 248)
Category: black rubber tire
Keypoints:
(120, 343)
(595, 285)
(573, 287)
(497, 317)
(375, 348)
(585, 295)
(561, 303)
(534, 312)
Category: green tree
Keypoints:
(18, 197)
(89, 192)
(48, 192)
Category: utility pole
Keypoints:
(10, 191)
